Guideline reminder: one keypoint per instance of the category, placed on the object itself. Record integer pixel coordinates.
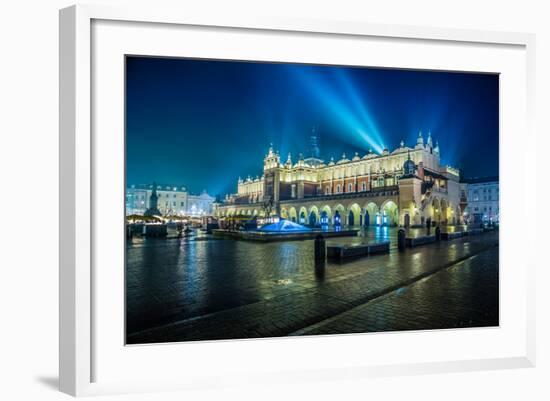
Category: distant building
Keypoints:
(169, 199)
(482, 195)
(201, 204)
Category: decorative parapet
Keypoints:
(452, 170)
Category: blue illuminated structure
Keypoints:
(284, 226)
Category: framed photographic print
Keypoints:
(259, 191)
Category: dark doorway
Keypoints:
(312, 219)
(337, 218)
(324, 218)
(351, 219)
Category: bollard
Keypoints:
(320, 270)
(401, 239)
(320, 249)
(438, 233)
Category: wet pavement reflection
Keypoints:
(171, 280)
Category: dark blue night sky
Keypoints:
(203, 123)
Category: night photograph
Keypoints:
(276, 199)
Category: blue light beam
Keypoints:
(332, 97)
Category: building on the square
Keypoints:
(169, 199)
(406, 186)
(200, 204)
(482, 196)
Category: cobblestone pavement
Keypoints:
(463, 295)
(263, 290)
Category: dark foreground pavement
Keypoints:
(463, 295)
(443, 285)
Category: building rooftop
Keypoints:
(160, 187)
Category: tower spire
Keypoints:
(314, 150)
(420, 139)
(408, 166)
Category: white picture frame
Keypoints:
(78, 164)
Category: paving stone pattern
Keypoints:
(235, 289)
(463, 295)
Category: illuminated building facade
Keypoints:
(170, 200)
(482, 196)
(407, 187)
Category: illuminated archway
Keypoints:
(354, 215)
(390, 213)
(302, 217)
(371, 211)
(292, 215)
(313, 217)
(315, 210)
(325, 216)
(339, 215)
